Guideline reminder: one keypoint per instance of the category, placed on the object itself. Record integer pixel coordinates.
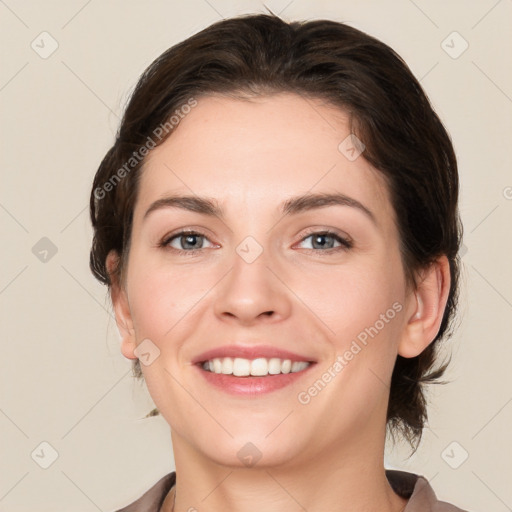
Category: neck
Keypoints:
(348, 478)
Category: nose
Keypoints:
(252, 293)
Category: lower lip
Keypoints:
(250, 386)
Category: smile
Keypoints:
(259, 367)
(252, 377)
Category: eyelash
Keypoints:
(346, 244)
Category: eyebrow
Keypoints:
(292, 206)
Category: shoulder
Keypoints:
(419, 492)
(152, 499)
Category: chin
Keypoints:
(251, 451)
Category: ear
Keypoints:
(121, 308)
(426, 309)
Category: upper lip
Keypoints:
(250, 352)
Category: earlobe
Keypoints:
(427, 309)
(121, 309)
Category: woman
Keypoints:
(278, 227)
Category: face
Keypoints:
(321, 280)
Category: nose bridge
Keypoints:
(251, 289)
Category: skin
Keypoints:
(251, 156)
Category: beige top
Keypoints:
(415, 488)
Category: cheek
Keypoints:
(363, 308)
(350, 298)
(162, 294)
(368, 324)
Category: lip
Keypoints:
(250, 352)
(250, 385)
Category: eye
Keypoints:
(191, 241)
(325, 240)
(187, 241)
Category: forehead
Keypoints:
(255, 153)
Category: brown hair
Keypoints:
(389, 112)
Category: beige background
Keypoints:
(63, 379)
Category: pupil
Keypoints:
(318, 237)
(189, 239)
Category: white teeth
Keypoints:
(227, 366)
(241, 367)
(274, 366)
(217, 365)
(296, 366)
(259, 367)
